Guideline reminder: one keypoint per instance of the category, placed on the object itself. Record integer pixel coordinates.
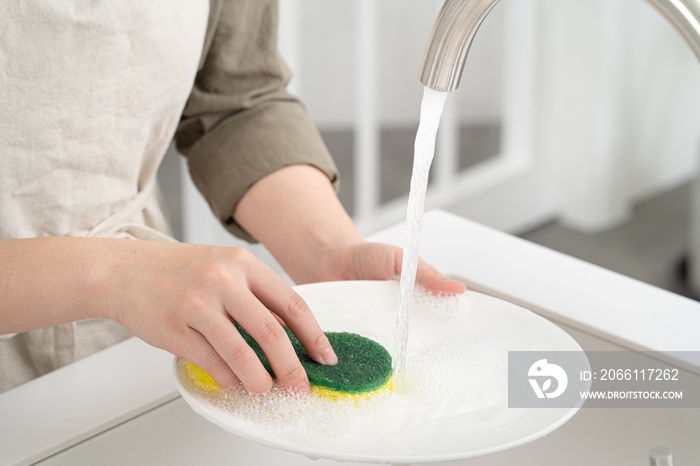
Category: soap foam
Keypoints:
(443, 381)
(440, 302)
(466, 373)
(280, 410)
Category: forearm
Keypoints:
(52, 280)
(295, 213)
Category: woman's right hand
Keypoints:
(179, 297)
(183, 298)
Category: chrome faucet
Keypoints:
(459, 20)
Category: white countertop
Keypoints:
(121, 405)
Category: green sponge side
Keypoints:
(363, 364)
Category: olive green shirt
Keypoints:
(240, 123)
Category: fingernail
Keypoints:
(303, 388)
(329, 357)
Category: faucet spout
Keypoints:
(450, 40)
(459, 20)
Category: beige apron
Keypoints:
(90, 95)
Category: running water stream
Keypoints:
(430, 111)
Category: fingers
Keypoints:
(239, 356)
(377, 261)
(226, 356)
(259, 300)
(432, 280)
(262, 326)
(427, 276)
(279, 297)
(222, 351)
(202, 354)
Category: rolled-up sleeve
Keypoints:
(240, 123)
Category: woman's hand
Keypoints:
(179, 297)
(183, 298)
(376, 261)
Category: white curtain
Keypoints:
(620, 108)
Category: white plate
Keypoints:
(464, 415)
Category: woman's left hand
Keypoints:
(295, 213)
(378, 261)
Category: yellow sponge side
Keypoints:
(203, 380)
(335, 395)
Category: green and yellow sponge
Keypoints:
(363, 369)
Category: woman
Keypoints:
(92, 94)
